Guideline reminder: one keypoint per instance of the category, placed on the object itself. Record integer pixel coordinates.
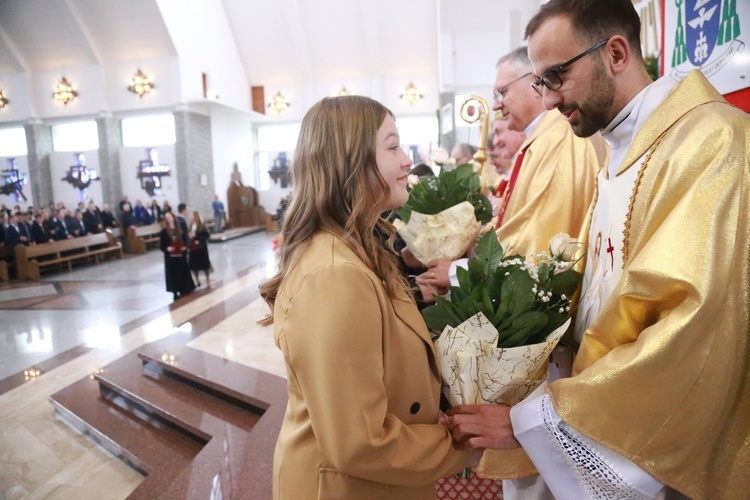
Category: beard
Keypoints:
(594, 113)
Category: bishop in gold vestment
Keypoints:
(663, 373)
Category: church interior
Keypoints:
(109, 388)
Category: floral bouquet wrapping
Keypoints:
(498, 330)
(444, 213)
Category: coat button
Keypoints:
(414, 409)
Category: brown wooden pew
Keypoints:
(6, 260)
(30, 260)
(139, 237)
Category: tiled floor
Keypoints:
(70, 324)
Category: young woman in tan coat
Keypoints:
(364, 387)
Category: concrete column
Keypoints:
(110, 141)
(39, 145)
(448, 141)
(194, 157)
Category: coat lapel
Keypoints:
(407, 312)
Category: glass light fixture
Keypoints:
(3, 100)
(344, 91)
(279, 103)
(411, 94)
(64, 92)
(140, 84)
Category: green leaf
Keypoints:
(434, 194)
(566, 282)
(487, 308)
(482, 207)
(526, 325)
(464, 280)
(437, 317)
(489, 253)
(518, 285)
(404, 213)
(476, 272)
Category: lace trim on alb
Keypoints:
(599, 478)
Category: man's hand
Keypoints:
(437, 274)
(482, 426)
(428, 293)
(409, 259)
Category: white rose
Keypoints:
(439, 156)
(412, 180)
(563, 247)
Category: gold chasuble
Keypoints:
(554, 187)
(663, 373)
(552, 195)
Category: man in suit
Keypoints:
(38, 233)
(24, 228)
(182, 220)
(78, 226)
(12, 235)
(92, 220)
(49, 224)
(62, 228)
(108, 218)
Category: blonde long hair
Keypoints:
(337, 187)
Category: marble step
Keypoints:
(132, 436)
(196, 425)
(237, 462)
(188, 407)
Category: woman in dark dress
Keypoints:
(198, 259)
(176, 269)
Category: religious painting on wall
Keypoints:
(13, 181)
(80, 176)
(150, 172)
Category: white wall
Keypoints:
(22, 162)
(62, 191)
(231, 141)
(164, 72)
(86, 80)
(386, 89)
(131, 185)
(15, 87)
(204, 42)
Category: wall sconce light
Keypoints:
(279, 103)
(140, 84)
(344, 91)
(3, 100)
(411, 94)
(64, 92)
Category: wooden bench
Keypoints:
(6, 260)
(30, 260)
(139, 237)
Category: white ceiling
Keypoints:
(278, 41)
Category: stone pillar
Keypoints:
(194, 157)
(448, 141)
(39, 145)
(110, 141)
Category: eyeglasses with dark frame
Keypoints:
(498, 93)
(552, 79)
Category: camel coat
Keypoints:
(363, 385)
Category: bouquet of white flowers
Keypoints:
(444, 212)
(495, 333)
